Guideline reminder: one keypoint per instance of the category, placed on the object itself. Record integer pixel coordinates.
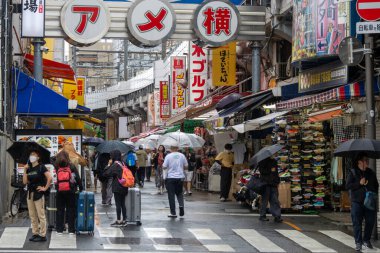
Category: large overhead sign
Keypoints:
(85, 21)
(149, 22)
(33, 19)
(178, 83)
(197, 73)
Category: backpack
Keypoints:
(127, 179)
(131, 159)
(64, 179)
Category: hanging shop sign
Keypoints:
(224, 65)
(236, 2)
(178, 83)
(198, 73)
(75, 91)
(327, 76)
(33, 19)
(157, 109)
(150, 22)
(150, 112)
(319, 26)
(85, 22)
(164, 100)
(216, 22)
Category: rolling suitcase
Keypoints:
(85, 213)
(133, 203)
(51, 209)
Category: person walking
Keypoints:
(106, 183)
(115, 171)
(189, 172)
(158, 161)
(269, 174)
(226, 159)
(142, 158)
(361, 179)
(94, 163)
(38, 179)
(148, 172)
(175, 163)
(68, 180)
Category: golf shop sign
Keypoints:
(148, 23)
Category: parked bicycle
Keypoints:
(18, 200)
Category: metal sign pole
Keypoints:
(37, 68)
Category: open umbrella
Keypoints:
(108, 146)
(153, 137)
(181, 139)
(20, 151)
(147, 144)
(353, 147)
(264, 153)
(93, 141)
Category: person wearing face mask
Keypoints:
(359, 180)
(226, 159)
(38, 179)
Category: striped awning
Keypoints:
(307, 100)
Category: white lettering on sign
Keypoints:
(216, 22)
(150, 22)
(85, 21)
(198, 73)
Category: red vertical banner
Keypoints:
(198, 73)
(178, 83)
(164, 100)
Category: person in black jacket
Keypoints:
(269, 174)
(359, 180)
(115, 171)
(66, 199)
(106, 183)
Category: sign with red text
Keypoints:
(368, 10)
(85, 21)
(178, 83)
(150, 22)
(164, 100)
(33, 19)
(198, 73)
(216, 22)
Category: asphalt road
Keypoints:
(208, 226)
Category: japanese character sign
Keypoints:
(85, 21)
(164, 100)
(178, 79)
(216, 22)
(150, 22)
(224, 65)
(33, 18)
(198, 73)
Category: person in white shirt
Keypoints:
(175, 163)
(148, 171)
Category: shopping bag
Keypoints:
(256, 184)
(370, 200)
(215, 168)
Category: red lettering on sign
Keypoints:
(198, 81)
(201, 95)
(198, 51)
(154, 22)
(88, 13)
(217, 21)
(208, 23)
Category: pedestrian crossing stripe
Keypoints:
(15, 238)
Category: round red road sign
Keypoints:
(368, 10)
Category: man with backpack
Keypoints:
(131, 162)
(142, 158)
(106, 182)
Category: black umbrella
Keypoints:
(20, 151)
(108, 146)
(93, 141)
(264, 153)
(353, 147)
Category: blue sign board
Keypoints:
(235, 2)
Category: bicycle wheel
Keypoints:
(15, 202)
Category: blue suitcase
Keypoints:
(85, 213)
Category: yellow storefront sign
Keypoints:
(75, 92)
(224, 65)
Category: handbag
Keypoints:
(256, 184)
(215, 168)
(370, 200)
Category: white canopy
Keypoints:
(259, 123)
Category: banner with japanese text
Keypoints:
(198, 73)
(224, 65)
(164, 100)
(156, 100)
(150, 112)
(75, 92)
(178, 82)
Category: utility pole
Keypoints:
(256, 80)
(370, 102)
(38, 43)
(126, 60)
(74, 55)
(163, 50)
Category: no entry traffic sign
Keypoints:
(368, 9)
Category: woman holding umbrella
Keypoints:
(38, 179)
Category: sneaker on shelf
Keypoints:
(295, 159)
(297, 198)
(319, 203)
(319, 158)
(308, 195)
(284, 174)
(318, 199)
(318, 170)
(320, 195)
(307, 205)
(308, 138)
(294, 170)
(321, 178)
(296, 188)
(297, 207)
(307, 151)
(319, 164)
(295, 179)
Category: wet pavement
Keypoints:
(208, 226)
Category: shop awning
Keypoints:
(259, 123)
(35, 99)
(51, 69)
(326, 114)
